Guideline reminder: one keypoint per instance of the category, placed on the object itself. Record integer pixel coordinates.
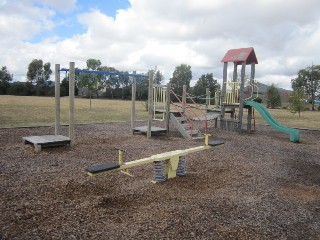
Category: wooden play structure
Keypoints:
(189, 118)
(57, 140)
(233, 95)
(158, 103)
(166, 165)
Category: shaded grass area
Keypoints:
(16, 111)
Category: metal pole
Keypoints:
(57, 100)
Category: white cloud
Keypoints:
(166, 33)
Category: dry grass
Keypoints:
(308, 119)
(39, 111)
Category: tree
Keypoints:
(110, 82)
(39, 74)
(309, 80)
(5, 79)
(182, 75)
(273, 97)
(297, 101)
(96, 79)
(206, 81)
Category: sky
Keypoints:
(144, 34)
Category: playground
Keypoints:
(255, 186)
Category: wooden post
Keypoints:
(249, 118)
(207, 98)
(71, 103)
(235, 72)
(253, 70)
(184, 98)
(133, 103)
(241, 95)
(168, 100)
(217, 98)
(57, 99)
(150, 104)
(223, 96)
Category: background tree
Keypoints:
(273, 97)
(297, 101)
(5, 79)
(309, 80)
(96, 83)
(182, 75)
(38, 74)
(206, 81)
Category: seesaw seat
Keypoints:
(102, 168)
(215, 143)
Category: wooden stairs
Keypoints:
(185, 126)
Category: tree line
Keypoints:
(306, 85)
(92, 85)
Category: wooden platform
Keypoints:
(144, 129)
(46, 141)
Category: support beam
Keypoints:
(184, 98)
(71, 103)
(168, 100)
(150, 104)
(133, 103)
(241, 95)
(57, 100)
(223, 94)
(207, 98)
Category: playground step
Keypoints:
(192, 132)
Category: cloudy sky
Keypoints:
(141, 34)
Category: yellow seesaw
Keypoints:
(166, 165)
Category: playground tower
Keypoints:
(232, 96)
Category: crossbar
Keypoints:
(104, 73)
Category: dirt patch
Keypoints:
(255, 186)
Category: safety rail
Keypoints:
(252, 85)
(203, 122)
(232, 93)
(159, 101)
(189, 121)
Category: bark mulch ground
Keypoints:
(255, 186)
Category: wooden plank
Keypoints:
(45, 139)
(144, 129)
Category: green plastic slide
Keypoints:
(294, 133)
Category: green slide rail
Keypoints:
(294, 133)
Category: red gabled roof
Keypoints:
(240, 55)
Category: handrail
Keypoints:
(189, 121)
(204, 123)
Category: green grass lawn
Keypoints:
(18, 111)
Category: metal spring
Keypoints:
(181, 170)
(160, 171)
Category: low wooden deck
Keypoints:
(46, 141)
(144, 129)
